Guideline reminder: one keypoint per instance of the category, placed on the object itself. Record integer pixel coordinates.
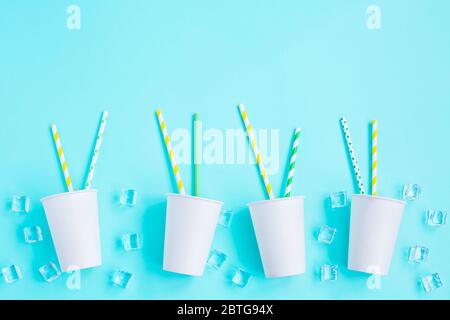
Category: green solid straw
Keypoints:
(196, 156)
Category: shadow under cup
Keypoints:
(374, 226)
(190, 226)
(74, 226)
(280, 233)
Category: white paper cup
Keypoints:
(280, 233)
(190, 226)
(73, 221)
(374, 225)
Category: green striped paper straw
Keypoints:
(294, 150)
(98, 144)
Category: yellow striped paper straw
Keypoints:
(176, 172)
(62, 159)
(348, 140)
(98, 144)
(252, 139)
(374, 156)
(294, 150)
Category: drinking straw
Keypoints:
(251, 137)
(374, 156)
(290, 179)
(196, 156)
(348, 140)
(62, 159)
(98, 144)
(175, 170)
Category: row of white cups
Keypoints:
(191, 223)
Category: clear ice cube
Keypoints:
(225, 218)
(50, 272)
(240, 278)
(431, 282)
(418, 254)
(338, 200)
(436, 218)
(411, 192)
(329, 272)
(33, 234)
(216, 259)
(122, 279)
(326, 234)
(21, 204)
(12, 274)
(131, 241)
(128, 197)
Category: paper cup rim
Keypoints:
(252, 204)
(67, 194)
(186, 196)
(379, 198)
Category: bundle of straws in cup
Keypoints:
(190, 220)
(73, 216)
(375, 220)
(278, 223)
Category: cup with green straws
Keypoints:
(278, 223)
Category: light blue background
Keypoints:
(293, 63)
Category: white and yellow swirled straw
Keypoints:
(374, 156)
(175, 169)
(252, 139)
(98, 144)
(62, 159)
(351, 151)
